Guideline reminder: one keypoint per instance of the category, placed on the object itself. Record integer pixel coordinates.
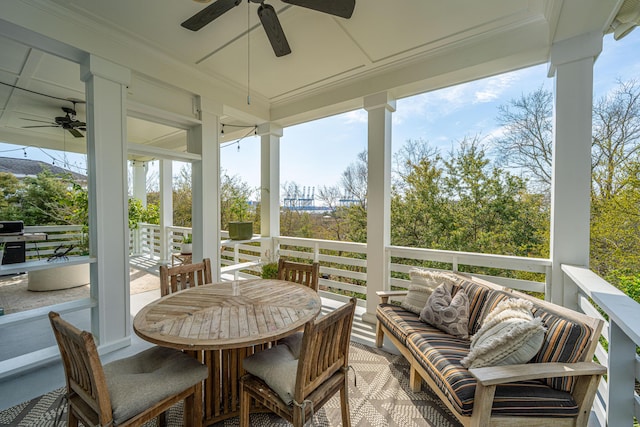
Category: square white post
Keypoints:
(106, 85)
(166, 210)
(270, 135)
(205, 185)
(379, 107)
(572, 63)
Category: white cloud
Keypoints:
(492, 88)
(356, 116)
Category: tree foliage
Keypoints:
(526, 145)
(461, 202)
(46, 199)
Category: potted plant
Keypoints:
(187, 244)
(240, 229)
(270, 267)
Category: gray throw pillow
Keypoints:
(446, 312)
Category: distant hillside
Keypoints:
(22, 168)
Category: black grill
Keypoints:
(14, 252)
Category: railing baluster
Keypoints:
(622, 359)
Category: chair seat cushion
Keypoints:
(277, 367)
(140, 381)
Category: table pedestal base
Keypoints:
(222, 387)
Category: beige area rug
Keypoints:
(381, 398)
(15, 297)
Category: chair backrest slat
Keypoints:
(304, 274)
(174, 279)
(325, 349)
(83, 368)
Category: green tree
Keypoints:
(416, 213)
(463, 203)
(182, 197)
(48, 199)
(138, 213)
(10, 189)
(615, 229)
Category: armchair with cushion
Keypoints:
(321, 371)
(126, 392)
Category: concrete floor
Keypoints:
(20, 388)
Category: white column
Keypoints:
(379, 107)
(140, 181)
(205, 185)
(572, 62)
(106, 87)
(166, 209)
(270, 135)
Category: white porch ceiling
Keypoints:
(402, 46)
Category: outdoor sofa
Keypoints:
(556, 387)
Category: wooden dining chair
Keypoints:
(305, 274)
(322, 371)
(126, 392)
(174, 279)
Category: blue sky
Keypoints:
(316, 153)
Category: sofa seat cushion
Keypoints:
(400, 322)
(440, 355)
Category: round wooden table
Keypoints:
(224, 323)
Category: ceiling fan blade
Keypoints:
(34, 120)
(209, 13)
(342, 8)
(43, 126)
(75, 132)
(274, 31)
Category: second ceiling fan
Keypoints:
(268, 17)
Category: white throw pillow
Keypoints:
(509, 335)
(423, 283)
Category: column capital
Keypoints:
(206, 105)
(379, 100)
(588, 45)
(96, 66)
(270, 129)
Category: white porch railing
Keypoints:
(64, 236)
(343, 270)
(616, 402)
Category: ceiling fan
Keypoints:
(268, 17)
(67, 122)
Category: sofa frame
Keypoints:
(587, 372)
